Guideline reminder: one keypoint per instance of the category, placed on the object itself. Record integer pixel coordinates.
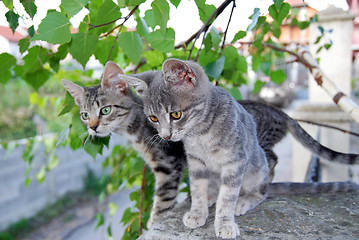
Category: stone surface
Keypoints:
(325, 216)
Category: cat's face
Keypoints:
(105, 108)
(174, 103)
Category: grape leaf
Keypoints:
(131, 44)
(82, 46)
(54, 28)
(72, 7)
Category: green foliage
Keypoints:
(103, 34)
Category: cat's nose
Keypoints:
(168, 137)
(94, 127)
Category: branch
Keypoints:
(118, 33)
(141, 200)
(206, 25)
(328, 126)
(229, 20)
(343, 101)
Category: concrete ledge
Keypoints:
(280, 217)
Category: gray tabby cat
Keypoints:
(226, 164)
(114, 107)
(220, 140)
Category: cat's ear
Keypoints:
(139, 85)
(111, 78)
(177, 73)
(76, 91)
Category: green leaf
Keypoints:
(7, 61)
(92, 148)
(204, 10)
(278, 76)
(13, 20)
(53, 162)
(99, 219)
(236, 94)
(175, 2)
(239, 35)
(30, 7)
(154, 58)
(38, 78)
(142, 27)
(254, 18)
(113, 208)
(283, 12)
(161, 11)
(131, 44)
(150, 19)
(278, 3)
(63, 135)
(40, 176)
(72, 7)
(303, 25)
(216, 38)
(242, 64)
(231, 54)
(258, 86)
(24, 45)
(68, 104)
(35, 59)
(82, 46)
(256, 62)
(163, 43)
(8, 3)
(103, 49)
(54, 28)
(31, 31)
(27, 181)
(108, 12)
(214, 69)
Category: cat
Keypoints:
(114, 107)
(114, 93)
(224, 158)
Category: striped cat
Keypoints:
(113, 107)
(225, 161)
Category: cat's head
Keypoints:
(173, 102)
(104, 108)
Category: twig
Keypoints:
(119, 31)
(141, 200)
(208, 23)
(328, 126)
(104, 24)
(229, 20)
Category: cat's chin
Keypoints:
(98, 134)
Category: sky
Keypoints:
(186, 14)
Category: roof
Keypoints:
(6, 32)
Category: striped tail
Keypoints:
(311, 188)
(314, 146)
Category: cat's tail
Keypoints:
(314, 146)
(311, 188)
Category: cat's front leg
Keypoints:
(198, 176)
(166, 188)
(231, 178)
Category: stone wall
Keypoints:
(324, 216)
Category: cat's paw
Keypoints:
(226, 230)
(193, 219)
(242, 208)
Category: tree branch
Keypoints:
(206, 25)
(229, 20)
(328, 126)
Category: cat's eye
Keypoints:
(85, 116)
(153, 118)
(106, 110)
(176, 115)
